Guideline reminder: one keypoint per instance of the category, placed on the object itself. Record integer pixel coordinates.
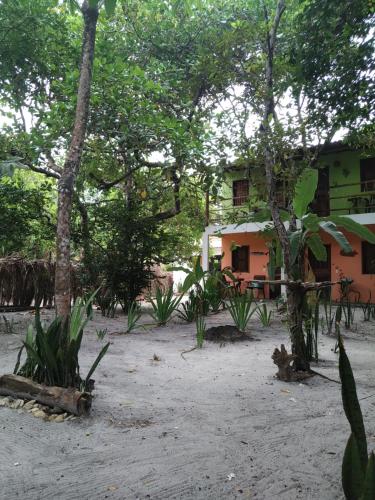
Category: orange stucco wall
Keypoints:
(341, 266)
(257, 263)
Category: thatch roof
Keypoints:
(25, 283)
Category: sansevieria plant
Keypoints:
(358, 469)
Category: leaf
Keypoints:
(351, 404)
(354, 227)
(305, 191)
(331, 228)
(311, 222)
(352, 473)
(295, 241)
(96, 362)
(369, 483)
(315, 244)
(110, 6)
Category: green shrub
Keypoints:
(164, 305)
(134, 314)
(189, 309)
(201, 331)
(239, 308)
(264, 315)
(52, 353)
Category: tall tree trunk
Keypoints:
(72, 164)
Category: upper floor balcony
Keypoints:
(339, 199)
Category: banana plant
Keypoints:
(308, 234)
(358, 470)
(307, 226)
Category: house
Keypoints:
(346, 186)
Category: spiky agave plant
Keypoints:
(201, 331)
(134, 315)
(358, 470)
(189, 309)
(52, 352)
(164, 305)
(240, 309)
(264, 315)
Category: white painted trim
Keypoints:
(255, 227)
(363, 219)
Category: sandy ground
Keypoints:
(175, 429)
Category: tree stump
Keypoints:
(283, 360)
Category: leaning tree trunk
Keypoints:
(72, 163)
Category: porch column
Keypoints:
(205, 251)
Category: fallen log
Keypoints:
(68, 399)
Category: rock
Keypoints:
(39, 414)
(18, 403)
(35, 409)
(29, 404)
(59, 418)
(5, 401)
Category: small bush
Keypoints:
(164, 305)
(189, 309)
(201, 331)
(264, 315)
(134, 314)
(240, 309)
(52, 353)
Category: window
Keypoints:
(240, 259)
(368, 174)
(368, 258)
(240, 192)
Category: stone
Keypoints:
(59, 418)
(39, 414)
(29, 404)
(18, 403)
(5, 401)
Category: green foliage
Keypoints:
(190, 308)
(264, 315)
(134, 315)
(240, 309)
(121, 248)
(358, 470)
(305, 191)
(26, 223)
(201, 331)
(164, 305)
(52, 352)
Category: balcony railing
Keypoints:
(343, 199)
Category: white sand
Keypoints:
(176, 429)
